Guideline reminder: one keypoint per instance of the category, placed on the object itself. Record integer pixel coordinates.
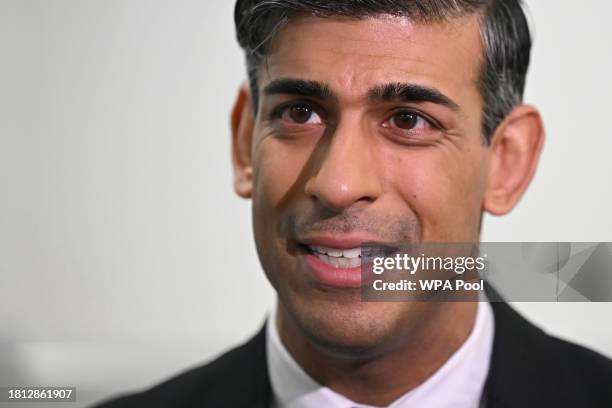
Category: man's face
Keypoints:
(368, 130)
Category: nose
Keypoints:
(347, 173)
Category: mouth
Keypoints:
(343, 260)
(338, 258)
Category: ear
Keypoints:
(515, 151)
(242, 122)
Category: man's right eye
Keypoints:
(301, 114)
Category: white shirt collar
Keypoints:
(459, 383)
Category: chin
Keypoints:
(352, 329)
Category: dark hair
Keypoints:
(503, 27)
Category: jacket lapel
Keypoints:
(253, 383)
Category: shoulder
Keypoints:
(235, 378)
(587, 369)
(532, 368)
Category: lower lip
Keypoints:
(332, 276)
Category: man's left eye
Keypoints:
(407, 120)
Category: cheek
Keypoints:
(444, 191)
(277, 168)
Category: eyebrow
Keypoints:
(392, 92)
(301, 87)
(407, 92)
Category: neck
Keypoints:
(374, 380)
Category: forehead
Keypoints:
(353, 55)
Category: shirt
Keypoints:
(458, 383)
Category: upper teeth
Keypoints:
(337, 253)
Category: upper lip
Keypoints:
(339, 241)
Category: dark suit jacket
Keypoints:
(528, 369)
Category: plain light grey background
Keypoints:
(125, 255)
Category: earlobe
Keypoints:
(515, 151)
(242, 122)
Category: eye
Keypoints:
(301, 114)
(408, 120)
